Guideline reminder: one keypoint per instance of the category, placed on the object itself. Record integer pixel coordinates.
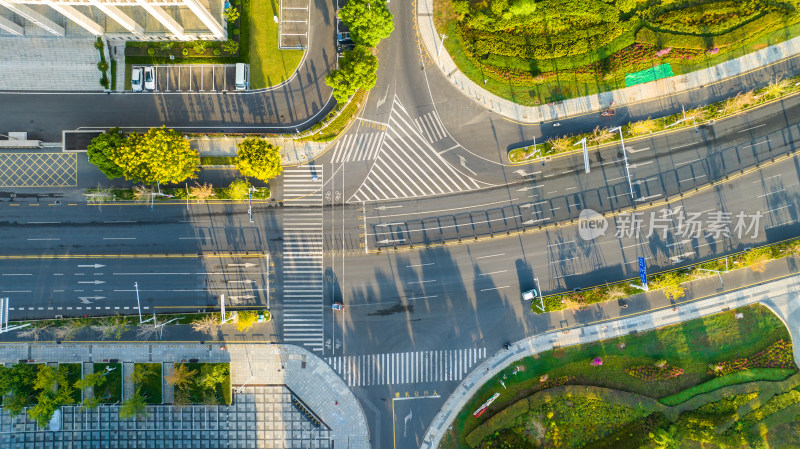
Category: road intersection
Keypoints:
(414, 218)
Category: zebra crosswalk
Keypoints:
(357, 147)
(431, 127)
(302, 257)
(407, 166)
(406, 367)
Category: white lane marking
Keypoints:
(493, 272)
(44, 239)
(119, 238)
(44, 222)
(683, 146)
(687, 162)
(17, 274)
(631, 150)
(493, 288)
(561, 243)
(120, 221)
(422, 282)
(779, 208)
(441, 210)
(491, 255)
(772, 193)
(752, 127)
(766, 179)
(419, 265)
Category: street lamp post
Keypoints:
(625, 157)
(250, 202)
(441, 44)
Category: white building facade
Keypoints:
(116, 20)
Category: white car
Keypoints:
(150, 78)
(530, 294)
(136, 79)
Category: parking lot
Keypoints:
(195, 77)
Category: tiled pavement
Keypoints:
(260, 416)
(779, 295)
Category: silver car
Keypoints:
(150, 78)
(136, 79)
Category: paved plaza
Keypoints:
(283, 397)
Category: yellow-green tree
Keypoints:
(159, 155)
(257, 158)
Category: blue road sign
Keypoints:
(642, 271)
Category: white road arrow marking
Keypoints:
(97, 265)
(246, 265)
(86, 299)
(386, 207)
(464, 164)
(384, 241)
(95, 282)
(246, 281)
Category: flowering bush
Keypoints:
(777, 355)
(597, 361)
(653, 373)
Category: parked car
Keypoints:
(344, 47)
(530, 294)
(136, 79)
(337, 306)
(344, 37)
(608, 113)
(150, 78)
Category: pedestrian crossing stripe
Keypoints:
(430, 126)
(407, 166)
(357, 147)
(302, 258)
(406, 367)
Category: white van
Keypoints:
(242, 76)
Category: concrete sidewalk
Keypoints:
(597, 102)
(780, 295)
(292, 152)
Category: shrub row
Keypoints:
(759, 26)
(498, 421)
(652, 373)
(777, 355)
(632, 435)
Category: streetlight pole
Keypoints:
(442, 37)
(625, 157)
(138, 302)
(250, 202)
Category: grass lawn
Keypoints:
(151, 387)
(73, 375)
(691, 345)
(269, 65)
(110, 390)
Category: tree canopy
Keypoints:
(369, 21)
(100, 149)
(257, 158)
(357, 70)
(159, 155)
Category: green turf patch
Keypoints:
(217, 160)
(269, 65)
(109, 391)
(752, 375)
(332, 129)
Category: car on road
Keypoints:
(136, 79)
(337, 306)
(150, 78)
(530, 294)
(608, 113)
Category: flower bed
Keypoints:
(777, 355)
(653, 373)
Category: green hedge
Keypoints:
(741, 377)
(759, 26)
(496, 422)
